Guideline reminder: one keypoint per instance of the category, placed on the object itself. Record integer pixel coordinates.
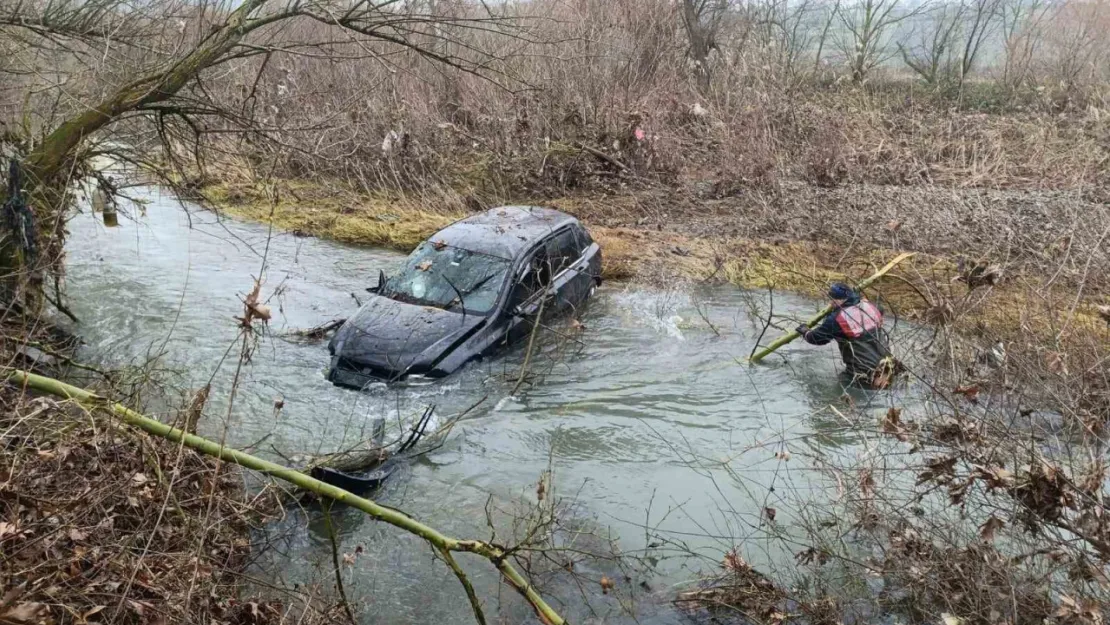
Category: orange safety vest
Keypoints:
(855, 321)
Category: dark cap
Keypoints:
(839, 290)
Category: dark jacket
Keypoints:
(856, 327)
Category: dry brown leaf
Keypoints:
(995, 477)
(893, 420)
(424, 266)
(252, 297)
(940, 314)
(27, 613)
(140, 607)
(253, 307)
(77, 535)
(349, 559)
(139, 479)
(606, 585)
(892, 424)
(867, 483)
(971, 392)
(439, 244)
(990, 527)
(735, 562)
(1082, 611)
(770, 512)
(811, 555)
(1055, 363)
(942, 470)
(540, 490)
(783, 455)
(11, 595)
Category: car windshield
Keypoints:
(451, 278)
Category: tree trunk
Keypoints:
(48, 166)
(700, 44)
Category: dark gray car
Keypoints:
(471, 288)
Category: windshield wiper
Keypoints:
(457, 292)
(468, 291)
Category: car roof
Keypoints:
(505, 231)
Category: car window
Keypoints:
(535, 273)
(583, 238)
(565, 247)
(436, 275)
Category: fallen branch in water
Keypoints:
(531, 345)
(790, 336)
(321, 330)
(497, 556)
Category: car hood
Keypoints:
(394, 336)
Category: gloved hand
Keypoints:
(802, 329)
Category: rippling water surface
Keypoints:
(637, 415)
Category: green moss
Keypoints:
(360, 219)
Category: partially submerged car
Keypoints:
(473, 287)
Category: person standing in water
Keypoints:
(856, 325)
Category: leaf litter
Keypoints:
(91, 530)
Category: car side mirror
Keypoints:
(381, 283)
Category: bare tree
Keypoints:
(109, 77)
(702, 19)
(980, 23)
(783, 30)
(1021, 22)
(867, 27)
(1079, 53)
(932, 58)
(830, 17)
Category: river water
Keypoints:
(654, 434)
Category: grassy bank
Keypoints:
(691, 241)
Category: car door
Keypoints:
(571, 281)
(532, 282)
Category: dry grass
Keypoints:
(395, 223)
(99, 523)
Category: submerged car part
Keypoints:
(469, 289)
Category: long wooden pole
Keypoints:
(494, 554)
(790, 336)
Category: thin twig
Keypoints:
(335, 562)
